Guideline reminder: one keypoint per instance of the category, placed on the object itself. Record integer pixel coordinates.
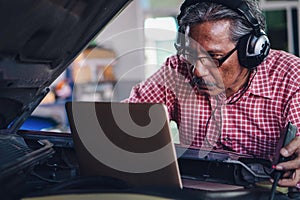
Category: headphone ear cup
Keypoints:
(242, 50)
(252, 50)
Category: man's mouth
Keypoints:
(200, 83)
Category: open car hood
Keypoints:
(38, 40)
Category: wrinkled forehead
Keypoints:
(193, 44)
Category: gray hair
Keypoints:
(208, 11)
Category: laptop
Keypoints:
(127, 141)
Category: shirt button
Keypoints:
(226, 139)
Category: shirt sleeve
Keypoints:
(161, 87)
(152, 90)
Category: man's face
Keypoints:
(212, 39)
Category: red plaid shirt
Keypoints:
(248, 122)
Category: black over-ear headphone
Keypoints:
(252, 48)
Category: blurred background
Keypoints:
(132, 47)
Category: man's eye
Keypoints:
(217, 56)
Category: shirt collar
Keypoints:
(260, 84)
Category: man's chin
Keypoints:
(210, 91)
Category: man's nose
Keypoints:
(200, 70)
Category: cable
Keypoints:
(277, 175)
(46, 179)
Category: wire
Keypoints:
(45, 179)
(277, 176)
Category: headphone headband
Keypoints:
(237, 5)
(233, 4)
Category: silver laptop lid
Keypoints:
(128, 141)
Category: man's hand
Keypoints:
(291, 178)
